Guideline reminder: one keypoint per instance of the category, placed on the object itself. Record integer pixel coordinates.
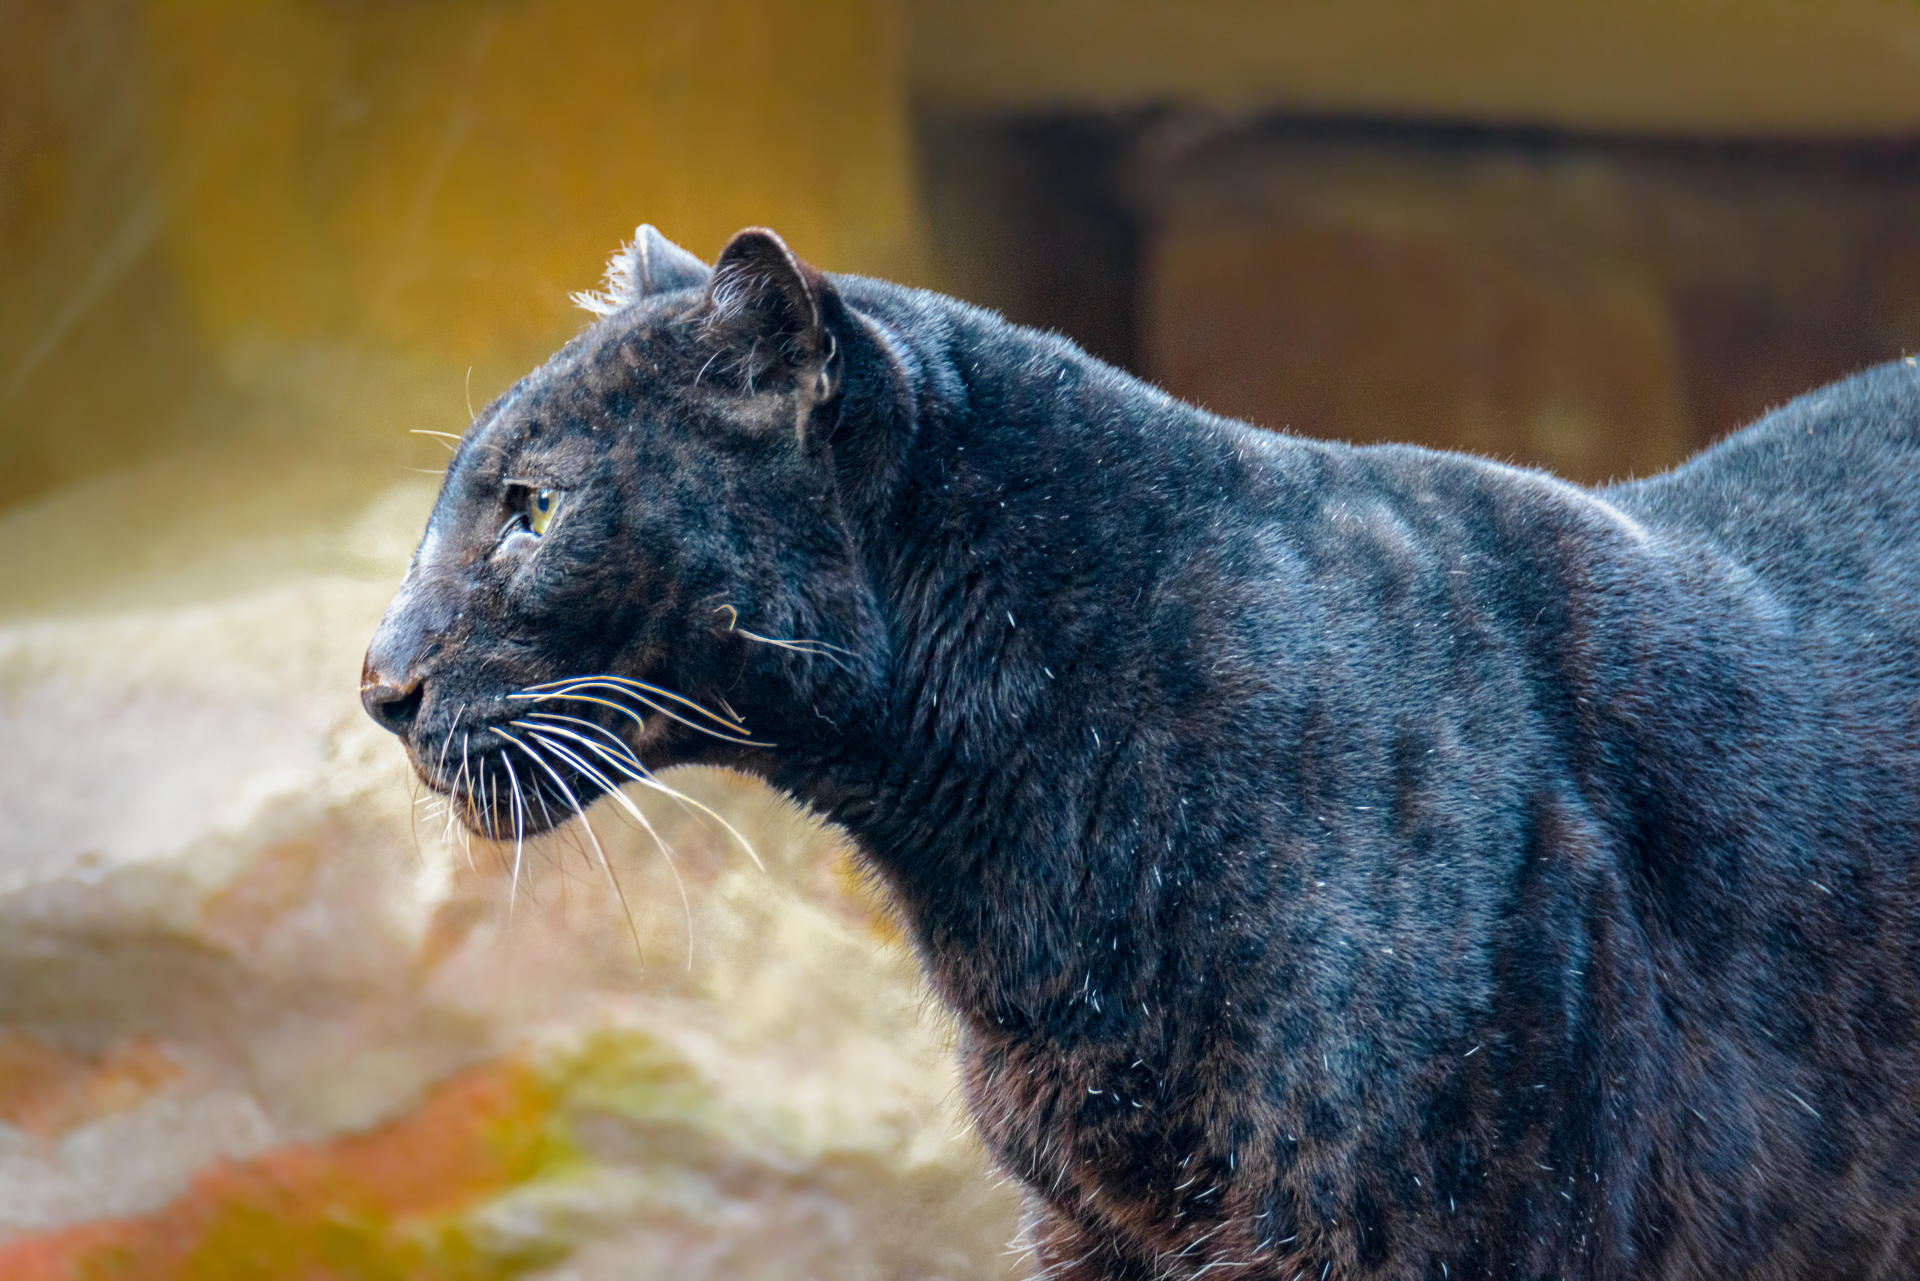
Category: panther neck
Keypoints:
(1016, 788)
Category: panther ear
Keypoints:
(767, 307)
(652, 264)
(664, 266)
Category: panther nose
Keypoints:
(392, 679)
(393, 707)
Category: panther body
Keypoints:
(1342, 862)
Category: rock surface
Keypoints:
(262, 1015)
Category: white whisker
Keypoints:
(445, 436)
(811, 648)
(493, 810)
(462, 785)
(639, 816)
(605, 863)
(640, 686)
(413, 820)
(519, 834)
(440, 765)
(629, 765)
(624, 688)
(581, 698)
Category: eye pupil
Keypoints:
(541, 505)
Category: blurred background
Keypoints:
(260, 1015)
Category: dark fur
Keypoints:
(1354, 863)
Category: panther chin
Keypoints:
(521, 777)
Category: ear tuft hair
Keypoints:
(763, 293)
(650, 265)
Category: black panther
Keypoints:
(1342, 862)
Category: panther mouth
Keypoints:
(556, 748)
(507, 779)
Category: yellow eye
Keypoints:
(541, 505)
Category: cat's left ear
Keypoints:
(769, 310)
(651, 265)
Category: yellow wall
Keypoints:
(1666, 66)
(216, 214)
(441, 174)
(188, 184)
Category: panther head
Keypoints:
(642, 553)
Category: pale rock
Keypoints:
(208, 844)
